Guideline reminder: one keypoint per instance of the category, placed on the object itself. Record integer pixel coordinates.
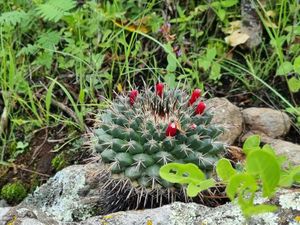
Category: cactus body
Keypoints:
(142, 131)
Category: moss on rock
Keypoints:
(13, 192)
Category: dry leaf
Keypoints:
(271, 13)
(236, 38)
(233, 26)
(132, 27)
(166, 32)
(119, 88)
(270, 24)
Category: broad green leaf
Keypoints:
(294, 84)
(288, 178)
(224, 169)
(229, 3)
(21, 145)
(269, 149)
(204, 63)
(215, 72)
(252, 143)
(257, 209)
(297, 65)
(221, 14)
(194, 189)
(265, 165)
(284, 68)
(211, 54)
(181, 173)
(296, 174)
(239, 183)
(215, 4)
(172, 62)
(295, 110)
(170, 80)
(280, 159)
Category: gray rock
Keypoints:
(273, 123)
(177, 213)
(27, 216)
(72, 194)
(3, 212)
(290, 150)
(227, 116)
(192, 214)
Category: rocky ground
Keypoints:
(76, 195)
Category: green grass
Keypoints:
(61, 67)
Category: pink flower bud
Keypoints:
(200, 108)
(159, 88)
(193, 126)
(132, 96)
(171, 129)
(195, 95)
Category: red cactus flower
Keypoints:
(195, 95)
(171, 129)
(193, 126)
(200, 108)
(159, 88)
(132, 96)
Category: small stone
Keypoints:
(3, 212)
(72, 194)
(290, 150)
(227, 116)
(273, 123)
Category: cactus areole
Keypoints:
(141, 131)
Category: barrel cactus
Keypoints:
(143, 130)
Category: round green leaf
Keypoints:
(181, 173)
(224, 169)
(284, 68)
(251, 143)
(297, 65)
(265, 165)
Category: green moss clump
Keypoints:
(13, 192)
(59, 162)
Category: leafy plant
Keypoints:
(262, 170)
(12, 18)
(208, 63)
(54, 10)
(189, 174)
(220, 7)
(288, 67)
